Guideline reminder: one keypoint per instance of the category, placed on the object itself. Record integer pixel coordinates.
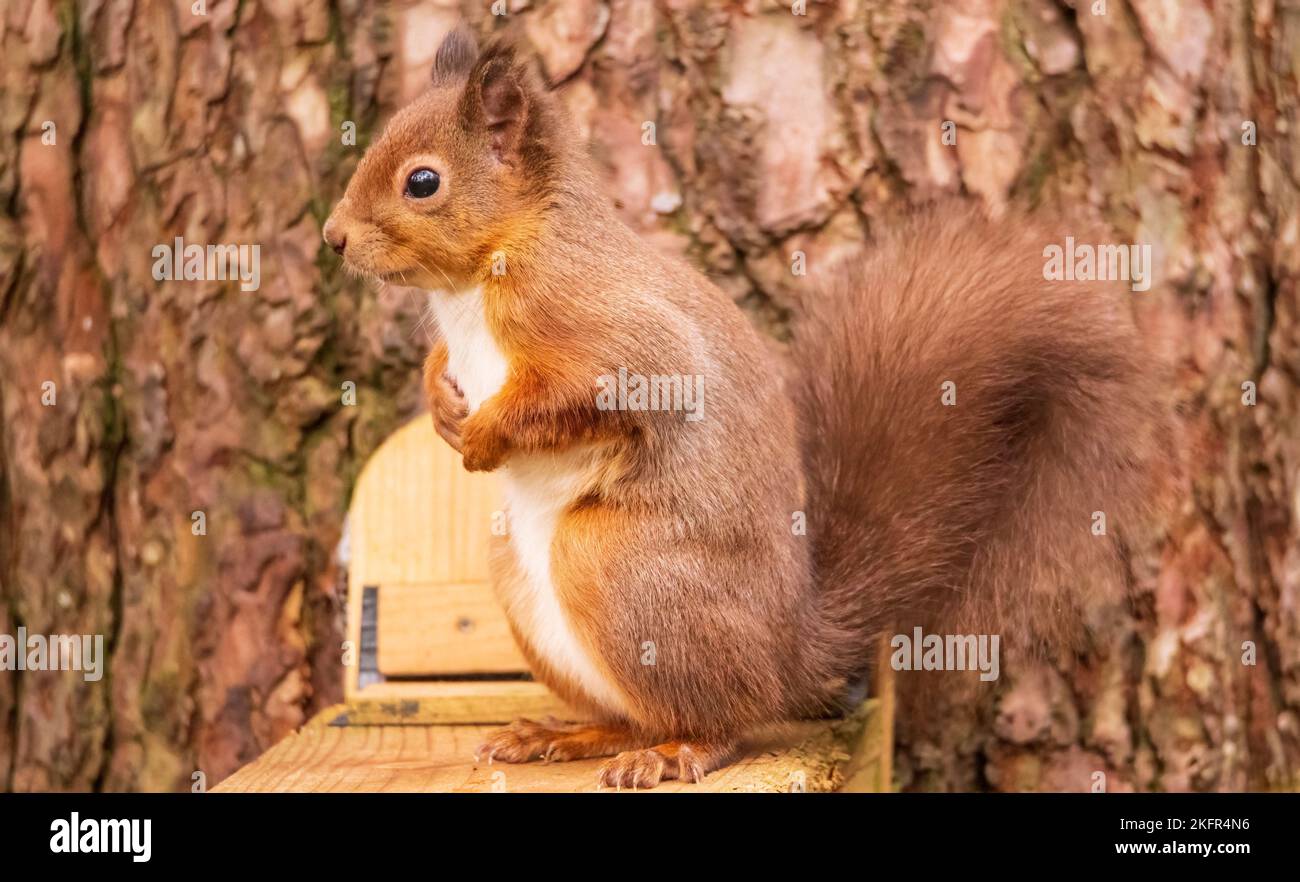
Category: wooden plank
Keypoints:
(872, 768)
(454, 701)
(386, 759)
(429, 629)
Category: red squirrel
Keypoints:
(655, 573)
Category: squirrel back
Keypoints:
(980, 443)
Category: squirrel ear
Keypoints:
(499, 84)
(456, 56)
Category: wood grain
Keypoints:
(430, 629)
(440, 759)
(453, 701)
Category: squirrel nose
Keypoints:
(338, 241)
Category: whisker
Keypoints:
(464, 305)
(443, 272)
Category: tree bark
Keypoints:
(742, 135)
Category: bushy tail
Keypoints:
(969, 426)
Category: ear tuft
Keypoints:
(456, 56)
(500, 87)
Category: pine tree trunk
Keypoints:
(745, 135)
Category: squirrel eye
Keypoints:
(422, 183)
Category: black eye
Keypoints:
(422, 183)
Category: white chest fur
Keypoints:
(473, 357)
(538, 488)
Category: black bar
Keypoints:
(479, 833)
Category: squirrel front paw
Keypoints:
(446, 402)
(448, 408)
(482, 447)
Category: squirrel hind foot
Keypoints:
(685, 761)
(527, 740)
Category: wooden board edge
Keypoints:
(871, 767)
(452, 702)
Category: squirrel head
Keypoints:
(463, 172)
